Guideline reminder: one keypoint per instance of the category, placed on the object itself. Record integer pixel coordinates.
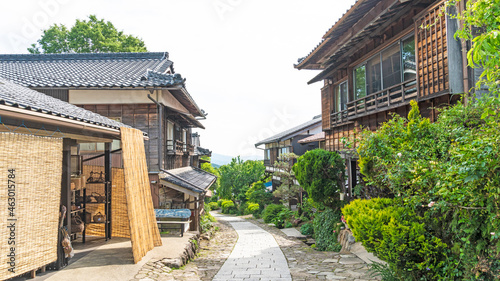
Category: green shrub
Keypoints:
(322, 174)
(213, 206)
(447, 175)
(398, 236)
(259, 193)
(307, 229)
(282, 218)
(219, 202)
(326, 230)
(252, 208)
(228, 207)
(206, 220)
(271, 211)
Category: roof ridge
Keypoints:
(86, 56)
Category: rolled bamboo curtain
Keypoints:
(30, 194)
(144, 232)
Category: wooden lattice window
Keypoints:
(432, 53)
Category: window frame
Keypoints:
(379, 54)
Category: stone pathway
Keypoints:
(256, 255)
(261, 252)
(307, 264)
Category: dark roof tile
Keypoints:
(286, 134)
(89, 70)
(190, 178)
(18, 96)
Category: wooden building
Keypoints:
(141, 90)
(288, 142)
(46, 190)
(376, 58)
(298, 140)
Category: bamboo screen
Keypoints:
(31, 170)
(119, 218)
(432, 52)
(144, 233)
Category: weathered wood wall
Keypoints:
(432, 52)
(140, 116)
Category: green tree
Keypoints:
(86, 36)
(237, 176)
(482, 27)
(288, 189)
(214, 171)
(259, 194)
(322, 174)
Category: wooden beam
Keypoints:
(374, 14)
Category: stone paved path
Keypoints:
(256, 255)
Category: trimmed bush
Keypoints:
(213, 206)
(398, 236)
(219, 202)
(271, 211)
(326, 230)
(252, 208)
(228, 207)
(307, 229)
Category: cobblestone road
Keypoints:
(220, 256)
(256, 255)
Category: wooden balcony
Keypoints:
(176, 147)
(189, 149)
(391, 97)
(339, 117)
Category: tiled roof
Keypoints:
(313, 138)
(90, 70)
(202, 151)
(286, 134)
(190, 178)
(18, 96)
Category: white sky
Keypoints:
(237, 55)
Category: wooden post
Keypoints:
(108, 187)
(66, 180)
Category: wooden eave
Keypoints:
(380, 18)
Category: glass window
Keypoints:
(391, 66)
(267, 154)
(170, 131)
(359, 82)
(408, 55)
(341, 99)
(373, 75)
(284, 150)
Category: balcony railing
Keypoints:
(188, 149)
(339, 117)
(176, 147)
(395, 95)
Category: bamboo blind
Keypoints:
(119, 218)
(144, 233)
(34, 166)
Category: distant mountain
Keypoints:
(219, 159)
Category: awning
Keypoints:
(188, 180)
(313, 138)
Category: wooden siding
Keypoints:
(140, 116)
(326, 106)
(61, 94)
(145, 118)
(431, 51)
